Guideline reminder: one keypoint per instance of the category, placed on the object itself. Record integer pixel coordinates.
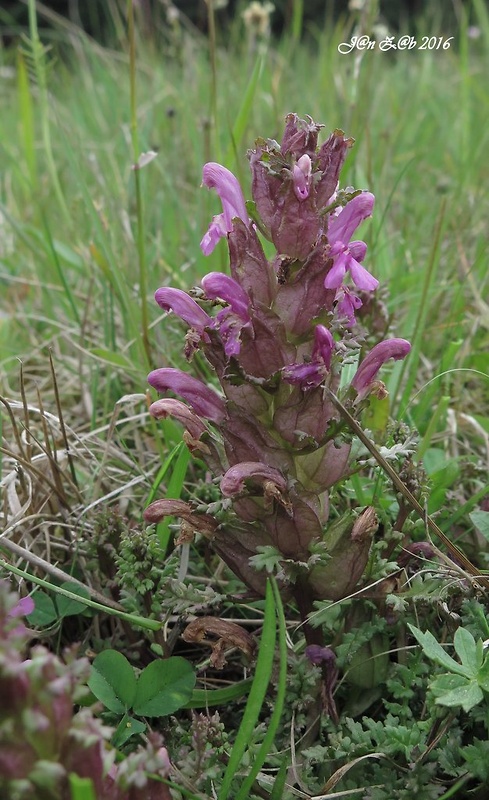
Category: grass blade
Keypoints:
(278, 706)
(246, 108)
(258, 691)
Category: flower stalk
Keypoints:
(277, 333)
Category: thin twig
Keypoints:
(454, 551)
(37, 561)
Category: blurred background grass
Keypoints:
(70, 221)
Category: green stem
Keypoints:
(143, 281)
(142, 622)
(39, 59)
(211, 25)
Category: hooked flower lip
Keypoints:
(218, 285)
(217, 177)
(184, 307)
(204, 401)
(230, 321)
(233, 481)
(373, 361)
(169, 407)
(342, 227)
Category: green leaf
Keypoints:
(476, 757)
(44, 612)
(447, 682)
(202, 698)
(279, 783)
(127, 727)
(164, 686)
(81, 788)
(435, 652)
(483, 675)
(468, 695)
(467, 650)
(480, 519)
(67, 254)
(116, 359)
(112, 681)
(67, 607)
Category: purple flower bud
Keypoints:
(301, 175)
(203, 400)
(323, 345)
(300, 135)
(167, 406)
(312, 373)
(217, 177)
(293, 224)
(159, 509)
(330, 160)
(422, 550)
(318, 655)
(368, 369)
(233, 481)
(307, 376)
(348, 303)
(184, 306)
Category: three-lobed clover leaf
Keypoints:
(160, 689)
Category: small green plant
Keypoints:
(48, 611)
(161, 688)
(466, 683)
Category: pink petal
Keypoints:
(205, 402)
(184, 306)
(342, 227)
(361, 277)
(334, 278)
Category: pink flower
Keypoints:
(230, 321)
(310, 374)
(217, 177)
(347, 255)
(252, 472)
(347, 303)
(184, 306)
(373, 361)
(205, 402)
(23, 608)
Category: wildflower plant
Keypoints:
(278, 334)
(47, 747)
